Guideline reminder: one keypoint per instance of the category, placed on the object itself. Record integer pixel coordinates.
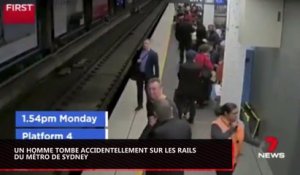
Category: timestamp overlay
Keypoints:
(61, 125)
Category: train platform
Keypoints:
(125, 123)
(76, 56)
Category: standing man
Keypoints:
(155, 91)
(213, 37)
(189, 85)
(167, 127)
(184, 35)
(201, 34)
(147, 67)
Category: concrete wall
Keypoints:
(294, 167)
(275, 91)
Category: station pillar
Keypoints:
(234, 58)
(209, 14)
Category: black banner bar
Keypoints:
(116, 154)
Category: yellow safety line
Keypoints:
(166, 46)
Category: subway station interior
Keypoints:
(78, 56)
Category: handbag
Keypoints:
(216, 92)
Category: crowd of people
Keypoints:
(199, 61)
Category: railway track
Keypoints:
(107, 72)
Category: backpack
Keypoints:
(205, 72)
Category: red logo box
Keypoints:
(18, 13)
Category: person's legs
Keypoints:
(177, 102)
(192, 108)
(207, 90)
(201, 95)
(187, 46)
(181, 52)
(139, 84)
(184, 106)
(178, 105)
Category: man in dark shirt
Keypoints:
(189, 85)
(179, 21)
(168, 127)
(213, 37)
(201, 34)
(155, 91)
(145, 65)
(184, 35)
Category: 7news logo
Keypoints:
(272, 146)
(18, 13)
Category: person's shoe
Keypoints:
(184, 116)
(138, 108)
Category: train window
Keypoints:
(100, 8)
(68, 16)
(16, 39)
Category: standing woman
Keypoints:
(203, 60)
(228, 126)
